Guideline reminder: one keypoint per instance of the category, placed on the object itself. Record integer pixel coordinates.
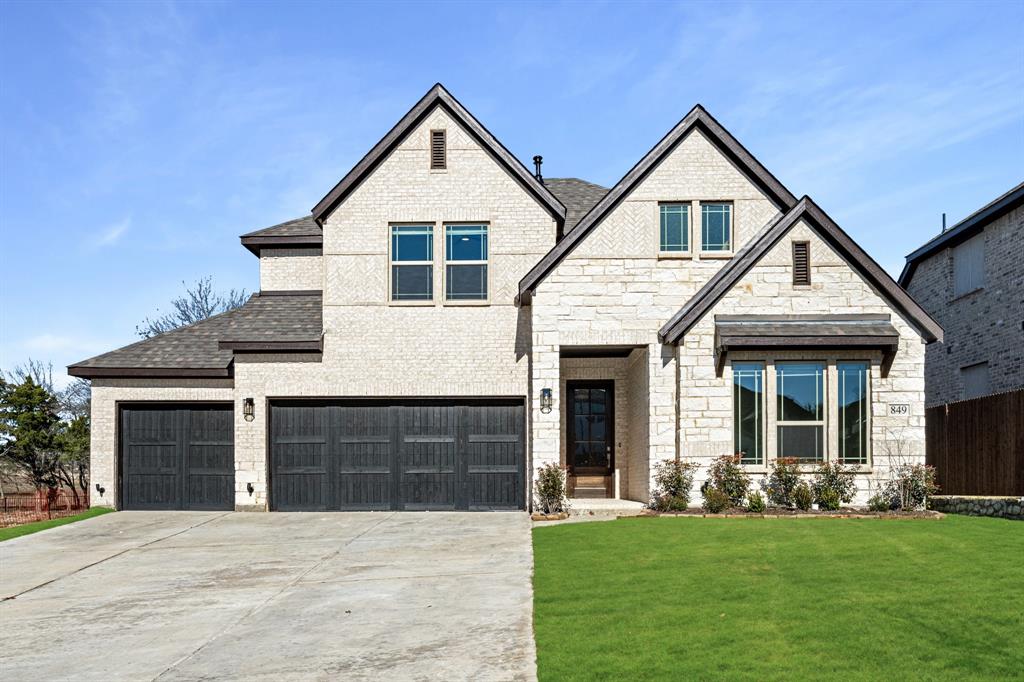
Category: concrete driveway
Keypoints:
(203, 596)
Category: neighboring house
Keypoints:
(970, 279)
(446, 322)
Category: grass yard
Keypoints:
(35, 527)
(726, 599)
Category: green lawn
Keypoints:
(27, 528)
(726, 599)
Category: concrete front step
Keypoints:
(604, 507)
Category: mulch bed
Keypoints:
(782, 513)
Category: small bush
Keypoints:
(833, 485)
(878, 503)
(802, 496)
(674, 481)
(726, 474)
(909, 486)
(755, 503)
(550, 489)
(828, 500)
(715, 501)
(782, 481)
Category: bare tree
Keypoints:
(198, 303)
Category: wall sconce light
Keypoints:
(249, 409)
(100, 489)
(546, 400)
(248, 486)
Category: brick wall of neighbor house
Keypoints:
(614, 289)
(982, 326)
(291, 270)
(107, 393)
(705, 423)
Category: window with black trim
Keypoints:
(854, 411)
(800, 410)
(748, 411)
(465, 262)
(412, 262)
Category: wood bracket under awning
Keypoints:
(805, 332)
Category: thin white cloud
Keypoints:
(112, 233)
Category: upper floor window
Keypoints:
(800, 411)
(975, 380)
(412, 262)
(748, 411)
(465, 262)
(716, 227)
(675, 228)
(969, 266)
(854, 411)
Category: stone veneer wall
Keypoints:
(638, 466)
(1002, 507)
(107, 393)
(705, 403)
(982, 326)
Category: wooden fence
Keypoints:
(19, 508)
(977, 445)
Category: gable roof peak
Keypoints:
(438, 96)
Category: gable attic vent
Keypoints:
(438, 150)
(801, 263)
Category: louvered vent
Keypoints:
(438, 150)
(801, 263)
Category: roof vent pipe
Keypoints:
(943, 222)
(537, 161)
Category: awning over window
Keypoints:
(805, 332)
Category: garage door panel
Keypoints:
(177, 456)
(439, 454)
(300, 477)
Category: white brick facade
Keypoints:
(612, 290)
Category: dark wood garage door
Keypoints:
(438, 455)
(177, 457)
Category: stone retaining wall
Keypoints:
(1003, 507)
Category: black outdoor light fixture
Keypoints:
(249, 409)
(100, 489)
(546, 400)
(248, 486)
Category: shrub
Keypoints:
(833, 485)
(879, 503)
(782, 481)
(726, 475)
(802, 496)
(755, 503)
(715, 501)
(550, 489)
(909, 486)
(674, 481)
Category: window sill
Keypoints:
(471, 304)
(438, 171)
(716, 255)
(970, 293)
(411, 304)
(675, 255)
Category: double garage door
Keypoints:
(177, 457)
(437, 455)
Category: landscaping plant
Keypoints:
(909, 486)
(674, 481)
(727, 475)
(833, 485)
(782, 481)
(802, 496)
(755, 503)
(878, 503)
(715, 501)
(550, 489)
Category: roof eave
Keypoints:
(86, 372)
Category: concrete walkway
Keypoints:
(232, 596)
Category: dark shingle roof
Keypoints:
(267, 320)
(299, 227)
(578, 197)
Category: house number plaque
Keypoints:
(899, 409)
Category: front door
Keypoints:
(590, 428)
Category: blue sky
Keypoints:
(138, 140)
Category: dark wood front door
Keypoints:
(590, 449)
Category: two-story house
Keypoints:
(446, 321)
(971, 279)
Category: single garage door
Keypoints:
(438, 455)
(177, 457)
